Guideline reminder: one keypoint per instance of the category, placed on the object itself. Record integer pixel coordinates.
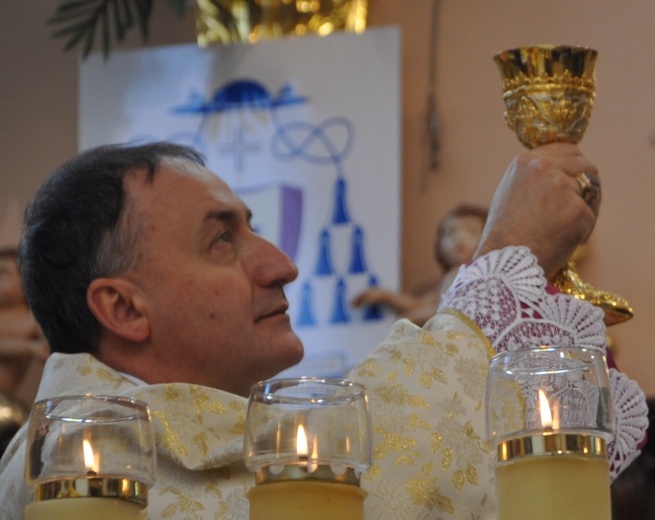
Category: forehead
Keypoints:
(179, 186)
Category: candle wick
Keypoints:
(91, 473)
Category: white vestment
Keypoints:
(426, 394)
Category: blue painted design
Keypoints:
(372, 312)
(340, 213)
(237, 95)
(238, 147)
(306, 317)
(287, 96)
(327, 143)
(324, 265)
(339, 308)
(357, 260)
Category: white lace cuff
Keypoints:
(504, 293)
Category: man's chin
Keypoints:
(286, 353)
(296, 351)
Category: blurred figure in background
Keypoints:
(23, 349)
(456, 239)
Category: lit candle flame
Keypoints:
(90, 459)
(308, 462)
(301, 442)
(544, 410)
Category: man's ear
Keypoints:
(117, 305)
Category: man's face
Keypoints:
(213, 289)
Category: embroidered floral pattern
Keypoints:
(429, 447)
(504, 293)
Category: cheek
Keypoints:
(10, 292)
(203, 298)
(228, 305)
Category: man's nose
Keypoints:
(274, 267)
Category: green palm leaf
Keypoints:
(79, 21)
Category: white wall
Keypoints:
(38, 125)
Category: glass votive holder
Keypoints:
(89, 456)
(550, 416)
(307, 441)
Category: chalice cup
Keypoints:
(549, 93)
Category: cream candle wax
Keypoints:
(322, 496)
(562, 486)
(85, 507)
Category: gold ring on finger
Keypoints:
(589, 190)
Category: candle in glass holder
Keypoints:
(549, 413)
(307, 441)
(89, 456)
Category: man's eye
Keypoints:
(225, 236)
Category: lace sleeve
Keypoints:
(505, 294)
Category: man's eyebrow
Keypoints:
(227, 215)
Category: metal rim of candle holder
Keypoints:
(96, 487)
(552, 444)
(296, 472)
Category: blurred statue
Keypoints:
(456, 239)
(23, 349)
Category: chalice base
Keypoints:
(616, 308)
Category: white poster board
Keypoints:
(307, 131)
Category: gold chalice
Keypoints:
(549, 93)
